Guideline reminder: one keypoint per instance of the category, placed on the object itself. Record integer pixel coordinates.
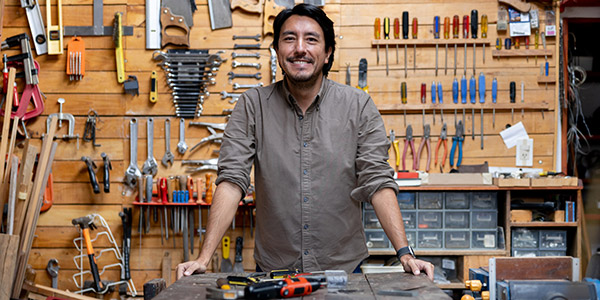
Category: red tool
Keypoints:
(48, 195)
(465, 36)
(31, 93)
(286, 288)
(409, 141)
(425, 142)
(209, 193)
(190, 188)
(443, 140)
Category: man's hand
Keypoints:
(190, 267)
(415, 266)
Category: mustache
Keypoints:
(307, 59)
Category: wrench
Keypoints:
(150, 166)
(168, 158)
(225, 95)
(247, 37)
(234, 75)
(236, 64)
(182, 146)
(133, 172)
(236, 55)
(52, 269)
(237, 86)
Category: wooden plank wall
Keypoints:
(354, 28)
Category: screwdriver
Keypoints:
(484, 27)
(386, 36)
(527, 47)
(494, 97)
(436, 35)
(405, 35)
(455, 36)
(397, 36)
(481, 101)
(463, 94)
(415, 30)
(446, 36)
(472, 94)
(507, 43)
(536, 42)
(441, 99)
(512, 100)
(433, 95)
(377, 35)
(423, 98)
(517, 43)
(455, 96)
(522, 99)
(403, 98)
(465, 36)
(498, 46)
(474, 19)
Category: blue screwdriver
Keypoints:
(494, 97)
(481, 101)
(433, 94)
(441, 99)
(455, 97)
(463, 94)
(472, 94)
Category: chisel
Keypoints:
(472, 94)
(386, 36)
(446, 36)
(513, 87)
(415, 31)
(484, 28)
(436, 35)
(455, 36)
(494, 97)
(403, 98)
(474, 19)
(433, 95)
(377, 35)
(455, 97)
(463, 94)
(405, 36)
(481, 101)
(465, 36)
(441, 99)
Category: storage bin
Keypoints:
(429, 239)
(406, 200)
(524, 238)
(429, 219)
(456, 219)
(484, 219)
(410, 219)
(376, 239)
(484, 239)
(370, 220)
(430, 200)
(457, 239)
(553, 239)
(484, 200)
(457, 200)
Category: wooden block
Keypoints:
(9, 245)
(531, 268)
(504, 182)
(558, 216)
(153, 288)
(459, 179)
(521, 215)
(554, 181)
(166, 269)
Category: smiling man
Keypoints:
(319, 149)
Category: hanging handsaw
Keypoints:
(219, 14)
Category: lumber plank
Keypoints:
(8, 269)
(24, 181)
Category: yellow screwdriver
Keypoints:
(386, 36)
(484, 28)
(403, 98)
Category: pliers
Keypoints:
(443, 140)
(409, 141)
(425, 142)
(457, 140)
(395, 145)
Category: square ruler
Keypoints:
(97, 29)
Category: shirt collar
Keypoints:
(325, 83)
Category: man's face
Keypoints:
(302, 52)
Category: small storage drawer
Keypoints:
(484, 239)
(553, 239)
(430, 219)
(406, 200)
(457, 200)
(429, 239)
(370, 219)
(430, 200)
(484, 219)
(457, 239)
(484, 200)
(552, 253)
(376, 239)
(411, 237)
(524, 253)
(410, 219)
(456, 219)
(524, 238)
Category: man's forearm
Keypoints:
(388, 212)
(224, 205)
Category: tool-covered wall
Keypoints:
(439, 74)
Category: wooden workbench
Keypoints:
(360, 286)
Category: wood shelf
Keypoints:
(446, 252)
(543, 224)
(522, 52)
(546, 79)
(487, 188)
(399, 108)
(430, 42)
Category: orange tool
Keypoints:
(48, 195)
(190, 188)
(465, 36)
(209, 192)
(76, 58)
(455, 36)
(377, 35)
(415, 31)
(446, 36)
(397, 36)
(200, 189)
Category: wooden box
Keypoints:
(504, 182)
(521, 215)
(554, 181)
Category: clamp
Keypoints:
(63, 117)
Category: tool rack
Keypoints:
(103, 230)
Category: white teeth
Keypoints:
(300, 62)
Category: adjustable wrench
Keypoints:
(236, 64)
(182, 146)
(246, 86)
(150, 166)
(232, 75)
(168, 158)
(133, 172)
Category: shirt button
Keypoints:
(305, 144)
(305, 199)
(305, 252)
(305, 172)
(305, 226)
(300, 118)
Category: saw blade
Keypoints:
(180, 8)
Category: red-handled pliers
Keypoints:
(425, 142)
(443, 140)
(409, 141)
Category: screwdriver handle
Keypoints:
(377, 28)
(543, 35)
(513, 88)
(415, 28)
(494, 90)
(436, 27)
(484, 26)
(403, 92)
(465, 27)
(386, 28)
(507, 43)
(446, 28)
(481, 88)
(472, 89)
(440, 93)
(474, 18)
(396, 28)
(517, 42)
(455, 27)
(546, 67)
(433, 92)
(463, 90)
(527, 42)
(455, 91)
(423, 93)
(537, 39)
(405, 25)
(498, 44)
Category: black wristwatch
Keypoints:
(405, 250)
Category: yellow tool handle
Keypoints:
(225, 247)
(397, 151)
(119, 48)
(153, 88)
(366, 88)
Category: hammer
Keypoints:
(85, 223)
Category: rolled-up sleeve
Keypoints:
(239, 145)
(372, 169)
